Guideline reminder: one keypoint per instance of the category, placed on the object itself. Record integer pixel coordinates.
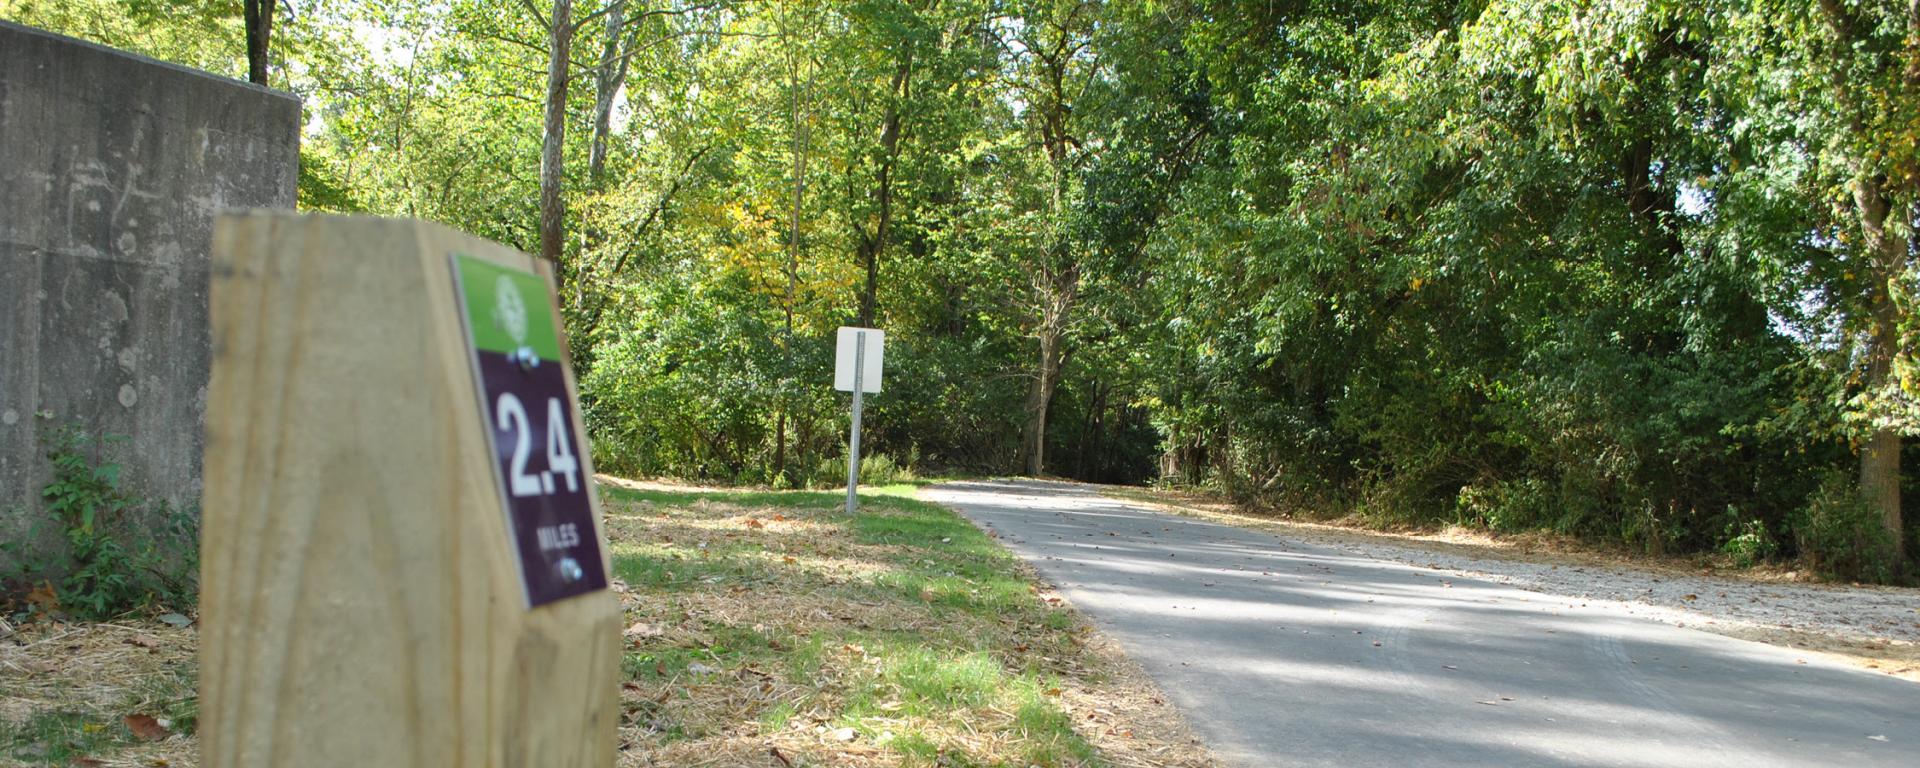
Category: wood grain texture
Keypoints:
(360, 604)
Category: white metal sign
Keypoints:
(849, 349)
(856, 369)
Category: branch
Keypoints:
(538, 17)
(682, 11)
(659, 207)
(540, 49)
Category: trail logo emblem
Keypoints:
(509, 310)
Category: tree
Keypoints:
(1640, 271)
(553, 204)
(259, 19)
(1840, 106)
(1050, 69)
(609, 76)
(1874, 71)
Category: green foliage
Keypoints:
(875, 469)
(1749, 543)
(118, 552)
(58, 737)
(1604, 270)
(881, 469)
(1840, 536)
(205, 34)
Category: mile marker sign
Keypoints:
(856, 369)
(529, 415)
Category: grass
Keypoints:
(775, 629)
(767, 629)
(67, 689)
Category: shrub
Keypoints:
(880, 469)
(121, 551)
(876, 469)
(1749, 543)
(1840, 536)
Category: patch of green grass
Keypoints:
(902, 622)
(670, 499)
(805, 659)
(668, 568)
(777, 717)
(1050, 739)
(930, 682)
(61, 734)
(59, 737)
(171, 694)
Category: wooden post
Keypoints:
(361, 599)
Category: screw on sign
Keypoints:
(516, 359)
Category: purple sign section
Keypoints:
(545, 483)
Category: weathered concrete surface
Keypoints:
(112, 168)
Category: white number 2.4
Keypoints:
(512, 415)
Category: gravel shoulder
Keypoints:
(1873, 627)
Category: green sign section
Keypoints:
(507, 309)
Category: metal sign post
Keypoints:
(853, 443)
(856, 368)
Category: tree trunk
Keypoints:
(1883, 255)
(608, 79)
(871, 247)
(1056, 275)
(780, 445)
(553, 207)
(1886, 255)
(1057, 300)
(259, 21)
(792, 267)
(1039, 396)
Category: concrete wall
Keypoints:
(112, 168)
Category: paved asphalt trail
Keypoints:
(1282, 653)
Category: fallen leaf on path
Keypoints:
(754, 523)
(143, 641)
(643, 629)
(145, 727)
(844, 734)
